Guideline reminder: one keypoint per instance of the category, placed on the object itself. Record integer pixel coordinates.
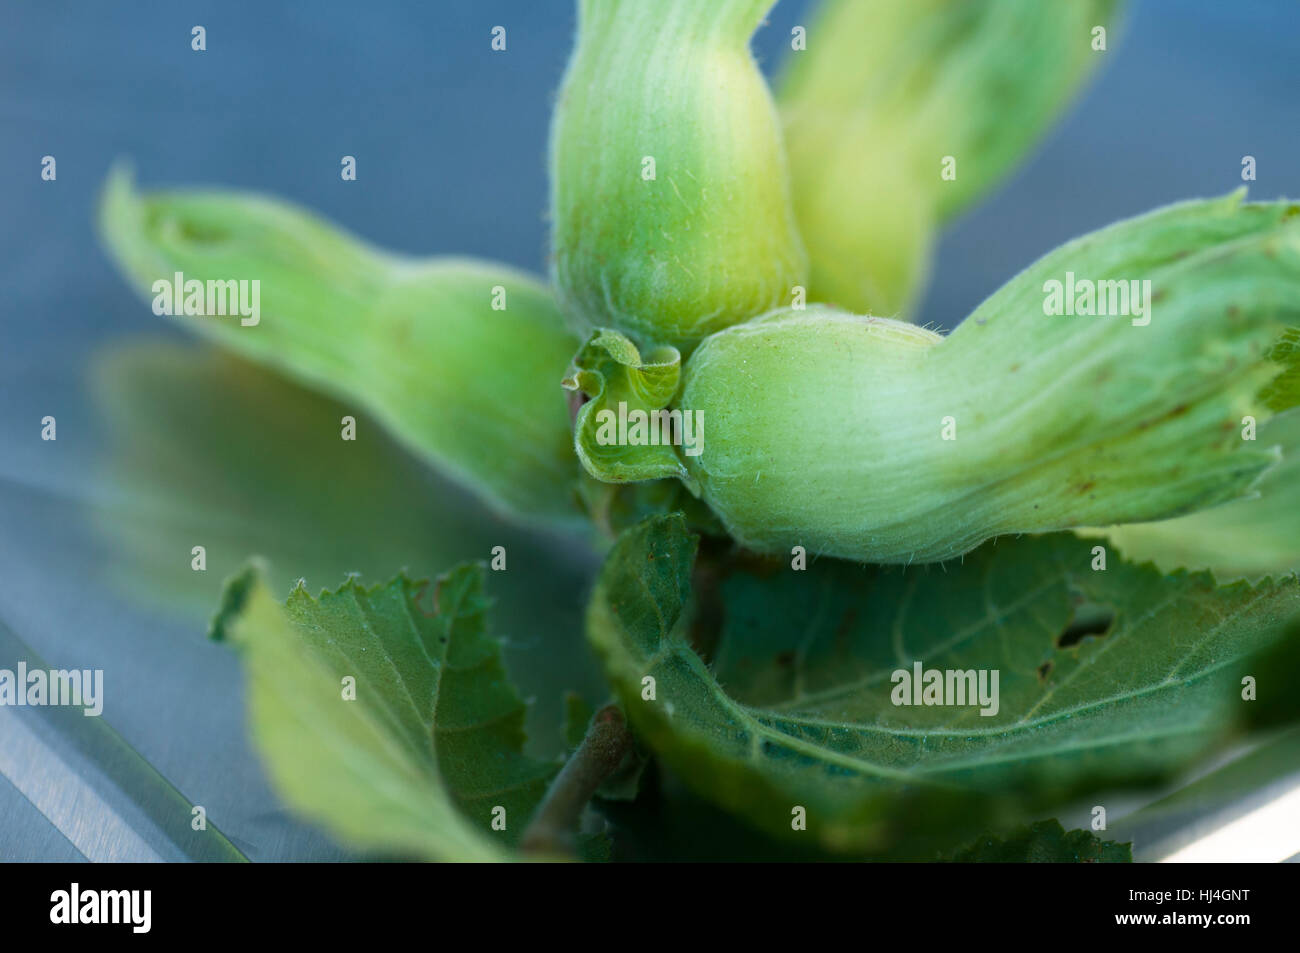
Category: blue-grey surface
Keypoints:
(450, 142)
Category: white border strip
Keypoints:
(1267, 835)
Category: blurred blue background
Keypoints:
(450, 141)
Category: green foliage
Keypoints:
(797, 707)
(431, 743)
(1046, 842)
(1283, 392)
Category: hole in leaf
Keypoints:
(1089, 619)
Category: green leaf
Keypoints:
(884, 92)
(1283, 392)
(432, 741)
(1046, 842)
(459, 359)
(797, 708)
(623, 388)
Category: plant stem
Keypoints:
(602, 750)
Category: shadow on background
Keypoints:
(208, 450)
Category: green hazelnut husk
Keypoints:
(670, 202)
(873, 440)
(459, 359)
